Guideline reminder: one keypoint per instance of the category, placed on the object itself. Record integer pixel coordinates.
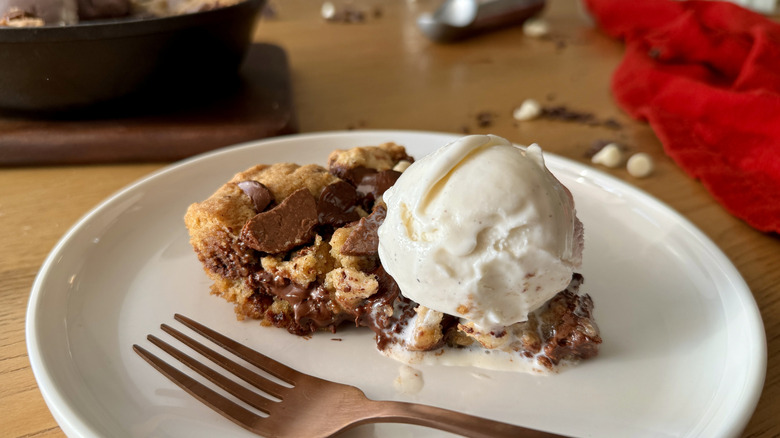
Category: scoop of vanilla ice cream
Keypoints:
(480, 229)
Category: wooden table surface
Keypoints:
(383, 74)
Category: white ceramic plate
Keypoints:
(684, 352)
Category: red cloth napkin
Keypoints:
(706, 76)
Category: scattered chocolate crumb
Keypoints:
(348, 14)
(565, 114)
(465, 129)
(560, 42)
(289, 224)
(485, 119)
(360, 124)
(336, 339)
(354, 15)
(612, 124)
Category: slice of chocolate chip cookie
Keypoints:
(295, 246)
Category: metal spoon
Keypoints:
(458, 19)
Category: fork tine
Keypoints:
(207, 396)
(242, 393)
(259, 360)
(244, 373)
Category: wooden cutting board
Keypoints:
(165, 128)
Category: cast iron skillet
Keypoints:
(52, 69)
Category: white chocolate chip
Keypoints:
(640, 165)
(528, 110)
(536, 28)
(610, 156)
(328, 10)
(401, 166)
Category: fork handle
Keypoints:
(450, 421)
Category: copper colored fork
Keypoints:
(310, 406)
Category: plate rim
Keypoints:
(72, 422)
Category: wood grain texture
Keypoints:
(384, 74)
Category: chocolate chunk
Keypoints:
(289, 224)
(352, 175)
(337, 204)
(370, 183)
(375, 184)
(259, 193)
(364, 240)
